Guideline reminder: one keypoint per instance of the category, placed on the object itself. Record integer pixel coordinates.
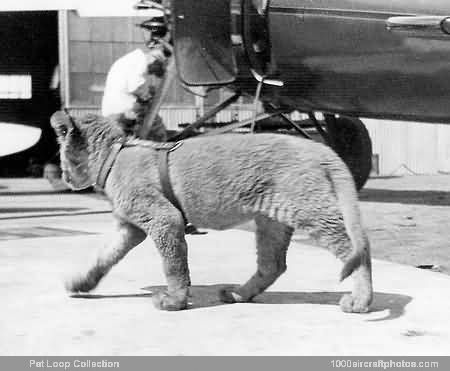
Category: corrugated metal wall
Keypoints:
(443, 145)
(171, 115)
(234, 113)
(406, 148)
(175, 115)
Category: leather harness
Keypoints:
(163, 150)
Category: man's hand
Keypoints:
(155, 53)
(145, 92)
(157, 62)
(157, 68)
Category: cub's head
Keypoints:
(73, 151)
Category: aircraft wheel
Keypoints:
(350, 139)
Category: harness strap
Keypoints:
(166, 185)
(163, 150)
(107, 165)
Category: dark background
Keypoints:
(29, 45)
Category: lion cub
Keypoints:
(282, 182)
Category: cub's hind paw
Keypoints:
(164, 301)
(230, 295)
(349, 304)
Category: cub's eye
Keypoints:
(63, 132)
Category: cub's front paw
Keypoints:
(349, 304)
(164, 301)
(230, 295)
(80, 283)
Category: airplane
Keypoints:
(343, 59)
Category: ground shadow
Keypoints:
(53, 214)
(430, 198)
(206, 296)
(110, 296)
(33, 193)
(16, 210)
(87, 192)
(203, 296)
(386, 177)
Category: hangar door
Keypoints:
(27, 62)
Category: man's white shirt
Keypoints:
(125, 75)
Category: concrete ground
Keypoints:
(46, 236)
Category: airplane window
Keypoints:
(15, 86)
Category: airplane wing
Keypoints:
(15, 138)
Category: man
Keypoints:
(132, 80)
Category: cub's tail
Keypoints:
(347, 197)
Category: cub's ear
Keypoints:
(61, 122)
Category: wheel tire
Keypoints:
(351, 141)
